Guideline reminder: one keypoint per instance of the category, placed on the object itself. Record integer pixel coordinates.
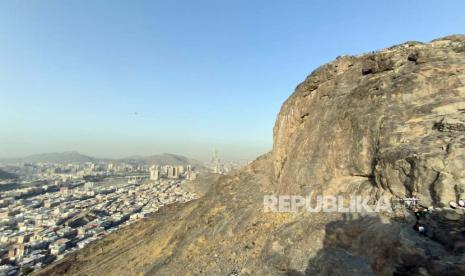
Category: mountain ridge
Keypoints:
(76, 157)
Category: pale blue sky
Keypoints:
(115, 78)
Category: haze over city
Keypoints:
(184, 77)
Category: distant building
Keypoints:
(58, 247)
(17, 250)
(48, 203)
(191, 175)
(136, 179)
(172, 172)
(165, 170)
(89, 185)
(64, 190)
(23, 238)
(216, 165)
(154, 173)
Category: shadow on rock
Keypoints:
(376, 245)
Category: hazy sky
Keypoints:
(115, 78)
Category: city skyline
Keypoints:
(186, 78)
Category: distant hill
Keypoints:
(55, 157)
(163, 159)
(76, 157)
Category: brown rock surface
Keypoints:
(390, 123)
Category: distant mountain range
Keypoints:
(55, 157)
(76, 157)
(163, 159)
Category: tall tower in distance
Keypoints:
(216, 165)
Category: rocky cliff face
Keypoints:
(386, 123)
(395, 117)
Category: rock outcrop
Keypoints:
(396, 117)
(388, 123)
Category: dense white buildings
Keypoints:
(42, 223)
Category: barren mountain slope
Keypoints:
(386, 123)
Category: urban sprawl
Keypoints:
(59, 208)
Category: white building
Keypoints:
(154, 173)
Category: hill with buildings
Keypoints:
(389, 124)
